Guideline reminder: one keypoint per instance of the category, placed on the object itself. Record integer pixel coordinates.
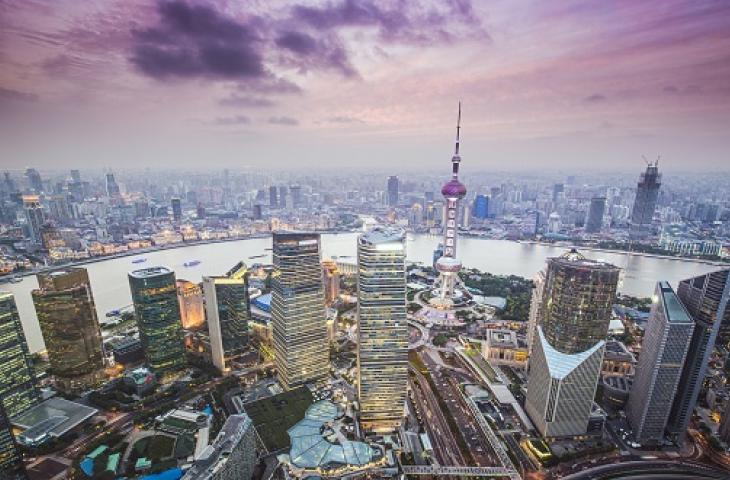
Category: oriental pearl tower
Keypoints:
(448, 265)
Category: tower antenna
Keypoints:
(458, 128)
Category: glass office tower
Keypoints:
(11, 460)
(227, 307)
(66, 312)
(297, 310)
(156, 307)
(18, 389)
(382, 353)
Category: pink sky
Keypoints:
(364, 83)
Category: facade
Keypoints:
(297, 309)
(618, 361)
(192, 311)
(18, 390)
(11, 459)
(706, 299)
(154, 295)
(66, 313)
(382, 352)
(594, 220)
(663, 351)
(535, 306)
(561, 388)
(448, 265)
(176, 209)
(231, 456)
(34, 217)
(481, 207)
(273, 197)
(647, 193)
(331, 282)
(227, 306)
(393, 191)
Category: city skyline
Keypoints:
(139, 83)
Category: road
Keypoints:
(651, 469)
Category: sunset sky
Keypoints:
(364, 83)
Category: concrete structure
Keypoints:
(501, 347)
(663, 351)
(706, 299)
(231, 456)
(227, 304)
(647, 193)
(382, 350)
(297, 309)
(594, 220)
(190, 298)
(561, 388)
(154, 295)
(18, 391)
(66, 313)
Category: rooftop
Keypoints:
(149, 272)
(383, 235)
(562, 364)
(51, 418)
(217, 452)
(675, 311)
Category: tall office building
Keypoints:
(176, 209)
(663, 352)
(647, 193)
(34, 217)
(273, 197)
(567, 350)
(11, 460)
(331, 281)
(382, 347)
(154, 295)
(481, 206)
(392, 191)
(227, 306)
(112, 188)
(190, 298)
(66, 312)
(558, 190)
(297, 309)
(18, 390)
(594, 220)
(535, 307)
(706, 299)
(34, 180)
(296, 196)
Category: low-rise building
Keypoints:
(502, 347)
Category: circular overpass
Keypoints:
(651, 470)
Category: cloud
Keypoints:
(343, 119)
(240, 101)
(7, 94)
(228, 121)
(270, 85)
(595, 98)
(289, 121)
(324, 52)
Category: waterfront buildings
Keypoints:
(448, 265)
(382, 349)
(192, 311)
(647, 193)
(66, 313)
(18, 390)
(298, 311)
(231, 456)
(706, 299)
(227, 307)
(663, 352)
(392, 191)
(594, 220)
(154, 295)
(331, 281)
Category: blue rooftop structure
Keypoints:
(263, 302)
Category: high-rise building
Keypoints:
(273, 197)
(331, 281)
(176, 209)
(663, 351)
(227, 305)
(297, 309)
(231, 456)
(382, 347)
(558, 190)
(647, 193)
(481, 206)
(257, 212)
(594, 220)
(283, 192)
(11, 460)
(154, 295)
(567, 350)
(34, 217)
(34, 180)
(535, 307)
(296, 195)
(112, 188)
(66, 312)
(448, 265)
(192, 311)
(393, 191)
(706, 299)
(18, 391)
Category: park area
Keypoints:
(273, 416)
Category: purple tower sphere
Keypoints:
(453, 189)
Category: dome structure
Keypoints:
(453, 189)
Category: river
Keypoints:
(111, 289)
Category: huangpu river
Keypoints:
(111, 288)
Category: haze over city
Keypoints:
(349, 83)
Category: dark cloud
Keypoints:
(297, 42)
(7, 94)
(307, 52)
(228, 121)
(240, 101)
(595, 98)
(289, 121)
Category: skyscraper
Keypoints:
(34, 217)
(11, 460)
(558, 190)
(481, 206)
(18, 390)
(331, 281)
(297, 309)
(393, 191)
(34, 180)
(176, 209)
(154, 295)
(663, 352)
(448, 265)
(706, 299)
(594, 221)
(66, 312)
(567, 348)
(273, 198)
(535, 307)
(192, 311)
(296, 196)
(227, 306)
(647, 193)
(382, 348)
(112, 189)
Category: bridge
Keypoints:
(440, 471)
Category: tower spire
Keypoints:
(458, 128)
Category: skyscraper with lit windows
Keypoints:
(382, 348)
(18, 389)
(227, 307)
